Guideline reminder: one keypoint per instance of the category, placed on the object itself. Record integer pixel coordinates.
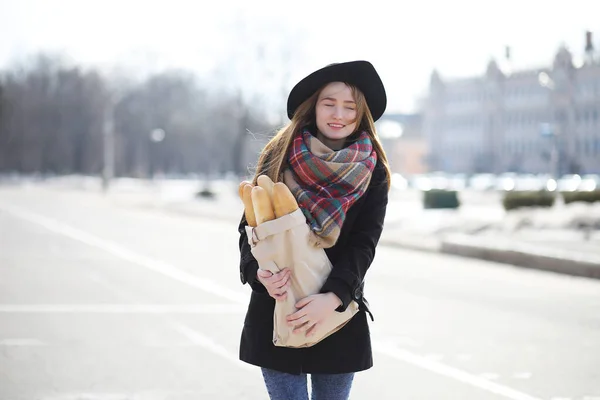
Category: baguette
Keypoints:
(284, 202)
(266, 183)
(248, 206)
(263, 208)
(241, 189)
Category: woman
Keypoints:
(330, 157)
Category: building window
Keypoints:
(560, 116)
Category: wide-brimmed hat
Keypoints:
(361, 74)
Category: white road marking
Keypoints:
(119, 251)
(522, 375)
(123, 308)
(464, 357)
(390, 350)
(95, 396)
(393, 351)
(406, 341)
(434, 356)
(21, 342)
(209, 344)
(145, 395)
(489, 376)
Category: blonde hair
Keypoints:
(273, 157)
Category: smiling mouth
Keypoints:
(336, 125)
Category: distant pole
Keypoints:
(157, 135)
(108, 144)
(550, 130)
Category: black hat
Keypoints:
(361, 74)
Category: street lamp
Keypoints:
(389, 132)
(108, 145)
(108, 138)
(388, 129)
(549, 130)
(545, 80)
(157, 135)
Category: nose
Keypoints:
(337, 113)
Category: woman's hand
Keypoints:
(313, 310)
(276, 284)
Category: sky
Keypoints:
(266, 46)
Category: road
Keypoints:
(107, 302)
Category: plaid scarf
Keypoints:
(326, 183)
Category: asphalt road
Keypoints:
(99, 301)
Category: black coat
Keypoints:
(349, 349)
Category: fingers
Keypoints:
(271, 277)
(311, 331)
(280, 290)
(294, 317)
(301, 328)
(280, 278)
(309, 327)
(275, 281)
(279, 297)
(276, 284)
(304, 302)
(297, 321)
(265, 273)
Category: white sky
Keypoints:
(404, 40)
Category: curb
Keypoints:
(524, 255)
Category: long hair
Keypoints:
(272, 159)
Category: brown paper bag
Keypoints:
(286, 242)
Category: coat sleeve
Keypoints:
(346, 277)
(248, 264)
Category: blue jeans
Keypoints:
(284, 386)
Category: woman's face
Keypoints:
(336, 112)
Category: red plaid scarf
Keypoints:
(326, 183)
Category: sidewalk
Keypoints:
(478, 229)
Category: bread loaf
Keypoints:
(263, 208)
(241, 189)
(248, 206)
(266, 183)
(284, 201)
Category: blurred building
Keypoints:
(532, 121)
(404, 143)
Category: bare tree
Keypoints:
(53, 115)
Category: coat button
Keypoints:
(242, 278)
(357, 293)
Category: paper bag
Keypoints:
(286, 242)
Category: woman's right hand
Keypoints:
(276, 284)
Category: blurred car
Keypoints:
(530, 182)
(482, 181)
(457, 182)
(399, 182)
(568, 183)
(589, 182)
(506, 181)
